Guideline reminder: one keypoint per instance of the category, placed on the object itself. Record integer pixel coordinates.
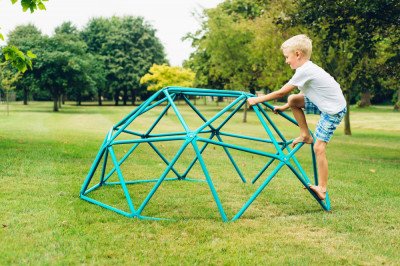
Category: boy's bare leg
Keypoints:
(322, 163)
(296, 102)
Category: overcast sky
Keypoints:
(171, 18)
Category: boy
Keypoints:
(319, 94)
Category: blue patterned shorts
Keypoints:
(327, 123)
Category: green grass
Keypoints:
(45, 157)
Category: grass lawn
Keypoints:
(45, 157)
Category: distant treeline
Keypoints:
(104, 60)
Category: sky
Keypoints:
(171, 18)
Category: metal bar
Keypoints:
(106, 206)
(130, 132)
(272, 124)
(327, 202)
(153, 218)
(232, 114)
(297, 174)
(314, 165)
(167, 134)
(178, 114)
(121, 179)
(209, 92)
(93, 168)
(129, 115)
(92, 188)
(308, 188)
(164, 159)
(136, 110)
(232, 161)
(103, 170)
(136, 114)
(196, 111)
(281, 113)
(255, 195)
(271, 136)
(195, 158)
(195, 180)
(215, 117)
(146, 140)
(162, 177)
(239, 148)
(158, 119)
(121, 161)
(96, 162)
(140, 181)
(248, 138)
(296, 162)
(209, 181)
(263, 170)
(157, 103)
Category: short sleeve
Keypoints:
(299, 78)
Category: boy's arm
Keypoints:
(285, 90)
(283, 107)
(280, 108)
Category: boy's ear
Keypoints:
(298, 54)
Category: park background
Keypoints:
(97, 74)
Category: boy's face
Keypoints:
(292, 58)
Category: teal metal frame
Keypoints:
(193, 138)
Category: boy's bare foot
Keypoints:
(309, 140)
(318, 190)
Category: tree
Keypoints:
(161, 76)
(95, 34)
(62, 66)
(238, 46)
(349, 33)
(25, 38)
(7, 79)
(97, 74)
(131, 49)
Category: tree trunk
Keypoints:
(398, 94)
(79, 99)
(397, 104)
(133, 93)
(59, 101)
(25, 96)
(8, 112)
(116, 98)
(63, 98)
(55, 101)
(347, 130)
(245, 113)
(125, 98)
(365, 99)
(99, 95)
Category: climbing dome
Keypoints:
(119, 163)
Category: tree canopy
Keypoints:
(161, 76)
(357, 42)
(106, 58)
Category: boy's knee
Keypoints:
(319, 148)
(296, 100)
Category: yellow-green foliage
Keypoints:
(161, 76)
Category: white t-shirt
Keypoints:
(320, 87)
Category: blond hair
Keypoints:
(299, 43)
